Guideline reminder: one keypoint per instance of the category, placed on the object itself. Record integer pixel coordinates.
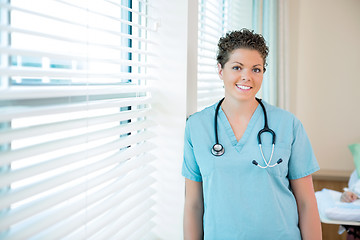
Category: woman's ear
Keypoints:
(220, 70)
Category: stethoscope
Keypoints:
(218, 149)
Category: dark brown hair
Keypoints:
(243, 38)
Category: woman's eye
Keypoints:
(257, 70)
(236, 68)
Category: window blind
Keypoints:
(75, 134)
(211, 27)
(239, 14)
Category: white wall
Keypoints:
(169, 107)
(325, 81)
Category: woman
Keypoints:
(241, 194)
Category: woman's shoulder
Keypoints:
(203, 115)
(280, 113)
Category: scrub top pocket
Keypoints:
(280, 170)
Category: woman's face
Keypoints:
(242, 74)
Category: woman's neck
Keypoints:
(234, 108)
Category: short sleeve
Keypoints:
(190, 168)
(302, 160)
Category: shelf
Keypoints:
(332, 175)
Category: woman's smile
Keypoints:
(243, 87)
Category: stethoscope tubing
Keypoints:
(219, 150)
(216, 117)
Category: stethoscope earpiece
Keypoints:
(267, 165)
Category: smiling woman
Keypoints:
(229, 195)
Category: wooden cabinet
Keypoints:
(335, 180)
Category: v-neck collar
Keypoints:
(230, 133)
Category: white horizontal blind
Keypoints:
(239, 14)
(75, 159)
(211, 28)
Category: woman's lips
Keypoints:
(243, 87)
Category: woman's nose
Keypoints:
(245, 76)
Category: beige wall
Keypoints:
(325, 76)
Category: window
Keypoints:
(74, 131)
(211, 27)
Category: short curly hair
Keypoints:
(243, 38)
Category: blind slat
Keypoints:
(212, 65)
(136, 204)
(207, 72)
(51, 165)
(32, 72)
(144, 232)
(6, 136)
(209, 35)
(66, 227)
(73, 23)
(203, 55)
(211, 13)
(71, 91)
(211, 87)
(216, 94)
(109, 233)
(206, 40)
(17, 195)
(15, 155)
(78, 57)
(204, 26)
(133, 226)
(203, 102)
(211, 7)
(204, 80)
(116, 3)
(100, 228)
(8, 114)
(8, 29)
(207, 49)
(48, 219)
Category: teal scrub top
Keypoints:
(241, 200)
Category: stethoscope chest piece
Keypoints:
(217, 149)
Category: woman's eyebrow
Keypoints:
(243, 64)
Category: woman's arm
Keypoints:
(193, 211)
(309, 220)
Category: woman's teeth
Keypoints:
(243, 87)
